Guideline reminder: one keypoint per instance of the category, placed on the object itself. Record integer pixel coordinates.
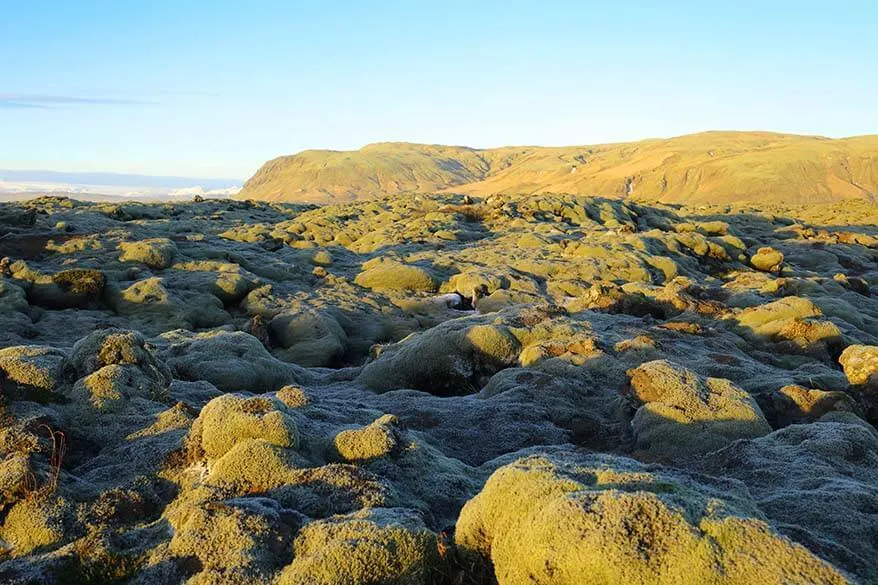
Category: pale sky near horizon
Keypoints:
(213, 89)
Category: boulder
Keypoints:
(818, 483)
(860, 364)
(392, 276)
(254, 466)
(242, 540)
(321, 258)
(66, 289)
(370, 442)
(578, 519)
(231, 418)
(682, 413)
(792, 325)
(767, 259)
(12, 298)
(336, 488)
(231, 361)
(455, 357)
(111, 387)
(309, 338)
(797, 404)
(388, 546)
(225, 280)
(157, 253)
(32, 365)
(35, 523)
(115, 347)
(151, 302)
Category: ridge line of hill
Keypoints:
(707, 167)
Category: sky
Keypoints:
(216, 88)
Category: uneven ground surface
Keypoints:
(426, 389)
(709, 167)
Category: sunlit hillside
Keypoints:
(711, 167)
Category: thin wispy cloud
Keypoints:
(14, 105)
(35, 100)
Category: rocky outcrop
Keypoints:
(572, 518)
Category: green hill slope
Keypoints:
(710, 167)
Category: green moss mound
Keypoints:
(682, 413)
(389, 546)
(583, 519)
(156, 253)
(231, 418)
(395, 276)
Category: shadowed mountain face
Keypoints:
(711, 167)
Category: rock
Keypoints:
(321, 258)
(474, 285)
(32, 365)
(228, 419)
(503, 299)
(262, 302)
(115, 347)
(120, 385)
(33, 524)
(456, 357)
(375, 440)
(858, 285)
(150, 302)
(797, 473)
(17, 217)
(241, 540)
(389, 546)
(109, 388)
(822, 339)
(81, 282)
(329, 490)
(225, 280)
(309, 338)
(12, 298)
(796, 404)
(684, 414)
(157, 253)
(770, 318)
(76, 288)
(231, 361)
(393, 276)
(293, 397)
(860, 364)
(767, 259)
(571, 518)
(254, 466)
(792, 325)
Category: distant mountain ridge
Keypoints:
(709, 167)
(16, 184)
(114, 179)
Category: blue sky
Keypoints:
(214, 89)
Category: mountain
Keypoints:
(21, 184)
(115, 179)
(709, 167)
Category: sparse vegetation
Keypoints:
(443, 388)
